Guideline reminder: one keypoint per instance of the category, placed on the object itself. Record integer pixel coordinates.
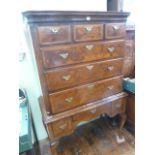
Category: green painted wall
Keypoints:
(28, 79)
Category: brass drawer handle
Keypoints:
(110, 68)
(116, 27)
(66, 77)
(54, 29)
(69, 99)
(110, 87)
(88, 29)
(91, 86)
(90, 67)
(63, 126)
(64, 55)
(89, 47)
(118, 105)
(111, 49)
(93, 111)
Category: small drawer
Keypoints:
(119, 106)
(115, 30)
(91, 114)
(114, 49)
(54, 34)
(88, 32)
(73, 76)
(113, 86)
(62, 127)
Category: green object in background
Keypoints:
(129, 85)
(25, 137)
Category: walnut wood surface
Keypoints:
(87, 32)
(81, 74)
(79, 57)
(78, 53)
(71, 98)
(60, 34)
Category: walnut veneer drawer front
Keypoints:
(70, 98)
(114, 30)
(54, 34)
(93, 113)
(72, 76)
(72, 54)
(87, 32)
(62, 127)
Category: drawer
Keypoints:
(54, 34)
(115, 30)
(113, 86)
(62, 127)
(93, 113)
(71, 54)
(114, 49)
(73, 76)
(88, 32)
(71, 98)
(119, 106)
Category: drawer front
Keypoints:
(73, 76)
(119, 106)
(71, 98)
(67, 55)
(71, 54)
(88, 32)
(115, 30)
(114, 49)
(54, 34)
(91, 114)
(62, 127)
(113, 86)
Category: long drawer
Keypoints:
(62, 55)
(71, 98)
(72, 76)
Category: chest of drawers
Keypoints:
(80, 56)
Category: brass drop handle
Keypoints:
(110, 87)
(69, 99)
(63, 126)
(88, 29)
(93, 111)
(110, 68)
(89, 47)
(90, 67)
(116, 27)
(54, 29)
(91, 86)
(64, 55)
(111, 49)
(66, 77)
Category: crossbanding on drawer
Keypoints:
(80, 74)
(71, 98)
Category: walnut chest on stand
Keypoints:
(80, 57)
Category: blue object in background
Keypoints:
(129, 85)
